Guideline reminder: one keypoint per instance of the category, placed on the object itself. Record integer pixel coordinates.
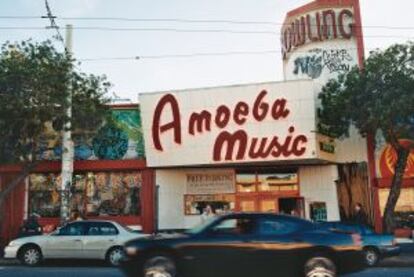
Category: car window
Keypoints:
(277, 227)
(234, 226)
(349, 228)
(73, 229)
(101, 229)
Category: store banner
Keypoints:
(273, 121)
(215, 182)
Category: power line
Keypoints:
(183, 20)
(206, 54)
(114, 29)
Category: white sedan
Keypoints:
(89, 239)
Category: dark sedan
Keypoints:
(245, 245)
(376, 246)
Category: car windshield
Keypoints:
(201, 226)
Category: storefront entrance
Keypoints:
(276, 204)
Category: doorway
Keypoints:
(292, 206)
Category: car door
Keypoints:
(100, 236)
(221, 250)
(66, 243)
(277, 246)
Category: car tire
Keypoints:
(320, 266)
(30, 255)
(114, 256)
(159, 265)
(371, 256)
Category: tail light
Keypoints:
(356, 238)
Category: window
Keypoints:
(234, 226)
(278, 182)
(267, 180)
(277, 227)
(102, 229)
(93, 193)
(220, 203)
(73, 229)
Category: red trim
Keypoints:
(98, 165)
(358, 33)
(148, 200)
(124, 106)
(377, 211)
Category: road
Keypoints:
(18, 271)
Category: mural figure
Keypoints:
(111, 143)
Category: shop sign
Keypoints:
(258, 122)
(210, 183)
(321, 40)
(327, 147)
(316, 26)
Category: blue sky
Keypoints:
(131, 77)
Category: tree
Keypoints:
(34, 81)
(377, 98)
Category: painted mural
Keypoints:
(120, 139)
(386, 158)
(316, 60)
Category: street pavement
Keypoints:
(402, 266)
(19, 271)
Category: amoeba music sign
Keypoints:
(234, 124)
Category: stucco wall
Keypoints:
(171, 189)
(317, 184)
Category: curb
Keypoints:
(9, 262)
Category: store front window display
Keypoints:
(92, 194)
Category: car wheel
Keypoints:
(159, 265)
(114, 256)
(371, 256)
(320, 267)
(30, 255)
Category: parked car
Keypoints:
(376, 246)
(89, 239)
(245, 244)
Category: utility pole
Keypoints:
(67, 143)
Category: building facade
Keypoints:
(256, 147)
(110, 181)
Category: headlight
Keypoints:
(131, 251)
(14, 243)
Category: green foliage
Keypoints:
(34, 82)
(380, 97)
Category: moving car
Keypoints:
(246, 244)
(89, 239)
(376, 246)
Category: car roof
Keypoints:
(93, 221)
(264, 215)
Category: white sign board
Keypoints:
(210, 182)
(234, 124)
